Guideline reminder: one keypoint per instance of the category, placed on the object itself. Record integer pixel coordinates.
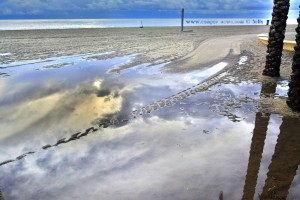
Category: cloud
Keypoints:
(110, 4)
(6, 11)
(34, 7)
(137, 8)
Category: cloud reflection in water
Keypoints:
(188, 151)
(138, 160)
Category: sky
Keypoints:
(82, 9)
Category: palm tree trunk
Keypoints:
(276, 37)
(294, 91)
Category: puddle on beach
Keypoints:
(140, 134)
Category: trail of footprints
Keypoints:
(73, 137)
(181, 96)
(166, 102)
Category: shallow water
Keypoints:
(72, 130)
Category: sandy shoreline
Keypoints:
(187, 51)
(155, 45)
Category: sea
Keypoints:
(124, 23)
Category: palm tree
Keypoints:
(294, 91)
(276, 37)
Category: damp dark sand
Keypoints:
(144, 114)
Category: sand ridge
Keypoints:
(209, 52)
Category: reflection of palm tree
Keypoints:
(285, 161)
(256, 151)
(257, 145)
(286, 158)
(276, 37)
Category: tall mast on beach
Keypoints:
(182, 15)
(182, 18)
(142, 26)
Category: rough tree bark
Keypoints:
(294, 91)
(276, 37)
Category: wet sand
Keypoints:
(155, 44)
(144, 114)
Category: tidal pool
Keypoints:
(72, 130)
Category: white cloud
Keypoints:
(7, 11)
(35, 7)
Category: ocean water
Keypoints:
(119, 23)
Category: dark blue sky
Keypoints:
(67, 9)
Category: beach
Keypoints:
(155, 45)
(143, 113)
